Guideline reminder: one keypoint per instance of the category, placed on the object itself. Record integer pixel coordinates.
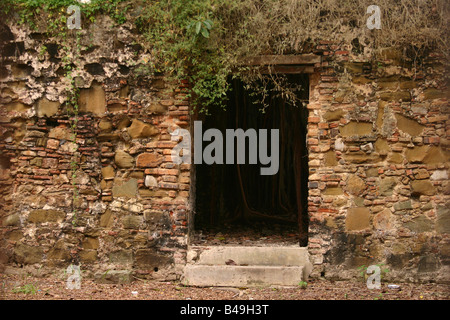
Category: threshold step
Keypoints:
(237, 276)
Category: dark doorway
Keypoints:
(235, 203)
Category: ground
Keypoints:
(19, 287)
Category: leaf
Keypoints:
(208, 24)
(205, 33)
(198, 27)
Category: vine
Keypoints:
(73, 52)
(206, 41)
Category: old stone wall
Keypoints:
(130, 211)
(378, 158)
(377, 144)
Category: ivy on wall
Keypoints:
(206, 41)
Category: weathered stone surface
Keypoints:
(409, 126)
(47, 108)
(12, 220)
(106, 219)
(354, 128)
(422, 187)
(403, 205)
(132, 222)
(443, 219)
(148, 160)
(432, 93)
(419, 224)
(156, 108)
(386, 186)
(105, 125)
(17, 106)
(42, 215)
(139, 129)
(382, 220)
(396, 96)
(355, 185)
(115, 276)
(330, 159)
(108, 173)
(395, 157)
(334, 115)
(88, 256)
(126, 189)
(150, 182)
(93, 100)
(362, 157)
(333, 191)
(123, 159)
(357, 219)
(150, 259)
(426, 154)
(28, 254)
(61, 133)
(59, 252)
(428, 263)
(439, 175)
(90, 243)
(382, 147)
(121, 257)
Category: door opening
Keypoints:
(234, 203)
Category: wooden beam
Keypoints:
(293, 69)
(284, 60)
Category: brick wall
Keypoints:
(378, 158)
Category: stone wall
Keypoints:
(132, 206)
(378, 160)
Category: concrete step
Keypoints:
(241, 276)
(246, 265)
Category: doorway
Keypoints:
(234, 203)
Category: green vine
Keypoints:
(207, 41)
(72, 55)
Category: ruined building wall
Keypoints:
(379, 158)
(131, 209)
(377, 146)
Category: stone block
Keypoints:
(443, 219)
(409, 126)
(357, 219)
(149, 160)
(42, 215)
(422, 187)
(354, 128)
(139, 129)
(151, 260)
(123, 160)
(27, 254)
(125, 189)
(47, 108)
(355, 185)
(93, 100)
(132, 222)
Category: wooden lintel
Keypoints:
(289, 69)
(303, 59)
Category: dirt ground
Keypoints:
(19, 287)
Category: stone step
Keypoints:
(241, 276)
(250, 255)
(246, 265)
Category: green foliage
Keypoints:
(28, 288)
(303, 284)
(52, 13)
(207, 41)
